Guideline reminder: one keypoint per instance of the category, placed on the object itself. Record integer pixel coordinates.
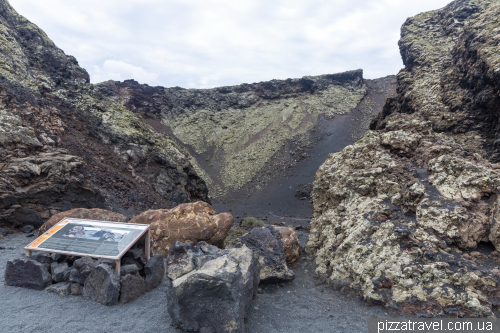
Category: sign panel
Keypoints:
(89, 238)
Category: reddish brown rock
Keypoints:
(187, 222)
(82, 213)
(291, 244)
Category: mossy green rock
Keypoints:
(112, 158)
(233, 132)
(407, 216)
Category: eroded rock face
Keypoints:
(212, 293)
(187, 222)
(400, 213)
(267, 244)
(83, 213)
(65, 145)
(452, 73)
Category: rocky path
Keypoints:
(304, 305)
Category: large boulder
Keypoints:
(83, 213)
(132, 287)
(408, 218)
(187, 222)
(291, 243)
(27, 273)
(213, 296)
(267, 244)
(102, 285)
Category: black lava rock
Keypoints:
(266, 243)
(155, 271)
(57, 270)
(27, 273)
(102, 285)
(132, 287)
(27, 229)
(84, 265)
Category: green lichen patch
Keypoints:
(246, 139)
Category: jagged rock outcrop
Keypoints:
(407, 216)
(233, 133)
(452, 73)
(210, 289)
(64, 145)
(398, 216)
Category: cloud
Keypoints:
(120, 71)
(207, 43)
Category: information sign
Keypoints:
(99, 239)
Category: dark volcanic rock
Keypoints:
(61, 288)
(267, 244)
(27, 229)
(27, 273)
(42, 257)
(226, 284)
(102, 285)
(129, 269)
(132, 287)
(84, 265)
(66, 145)
(183, 258)
(83, 213)
(134, 253)
(155, 271)
(109, 262)
(76, 276)
(57, 270)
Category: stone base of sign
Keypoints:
(97, 280)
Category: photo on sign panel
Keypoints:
(96, 233)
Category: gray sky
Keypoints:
(209, 43)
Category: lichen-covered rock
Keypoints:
(267, 244)
(291, 244)
(187, 222)
(241, 128)
(65, 145)
(102, 285)
(83, 213)
(399, 221)
(27, 273)
(452, 73)
(213, 296)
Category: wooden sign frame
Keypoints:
(56, 230)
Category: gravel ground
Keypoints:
(304, 305)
